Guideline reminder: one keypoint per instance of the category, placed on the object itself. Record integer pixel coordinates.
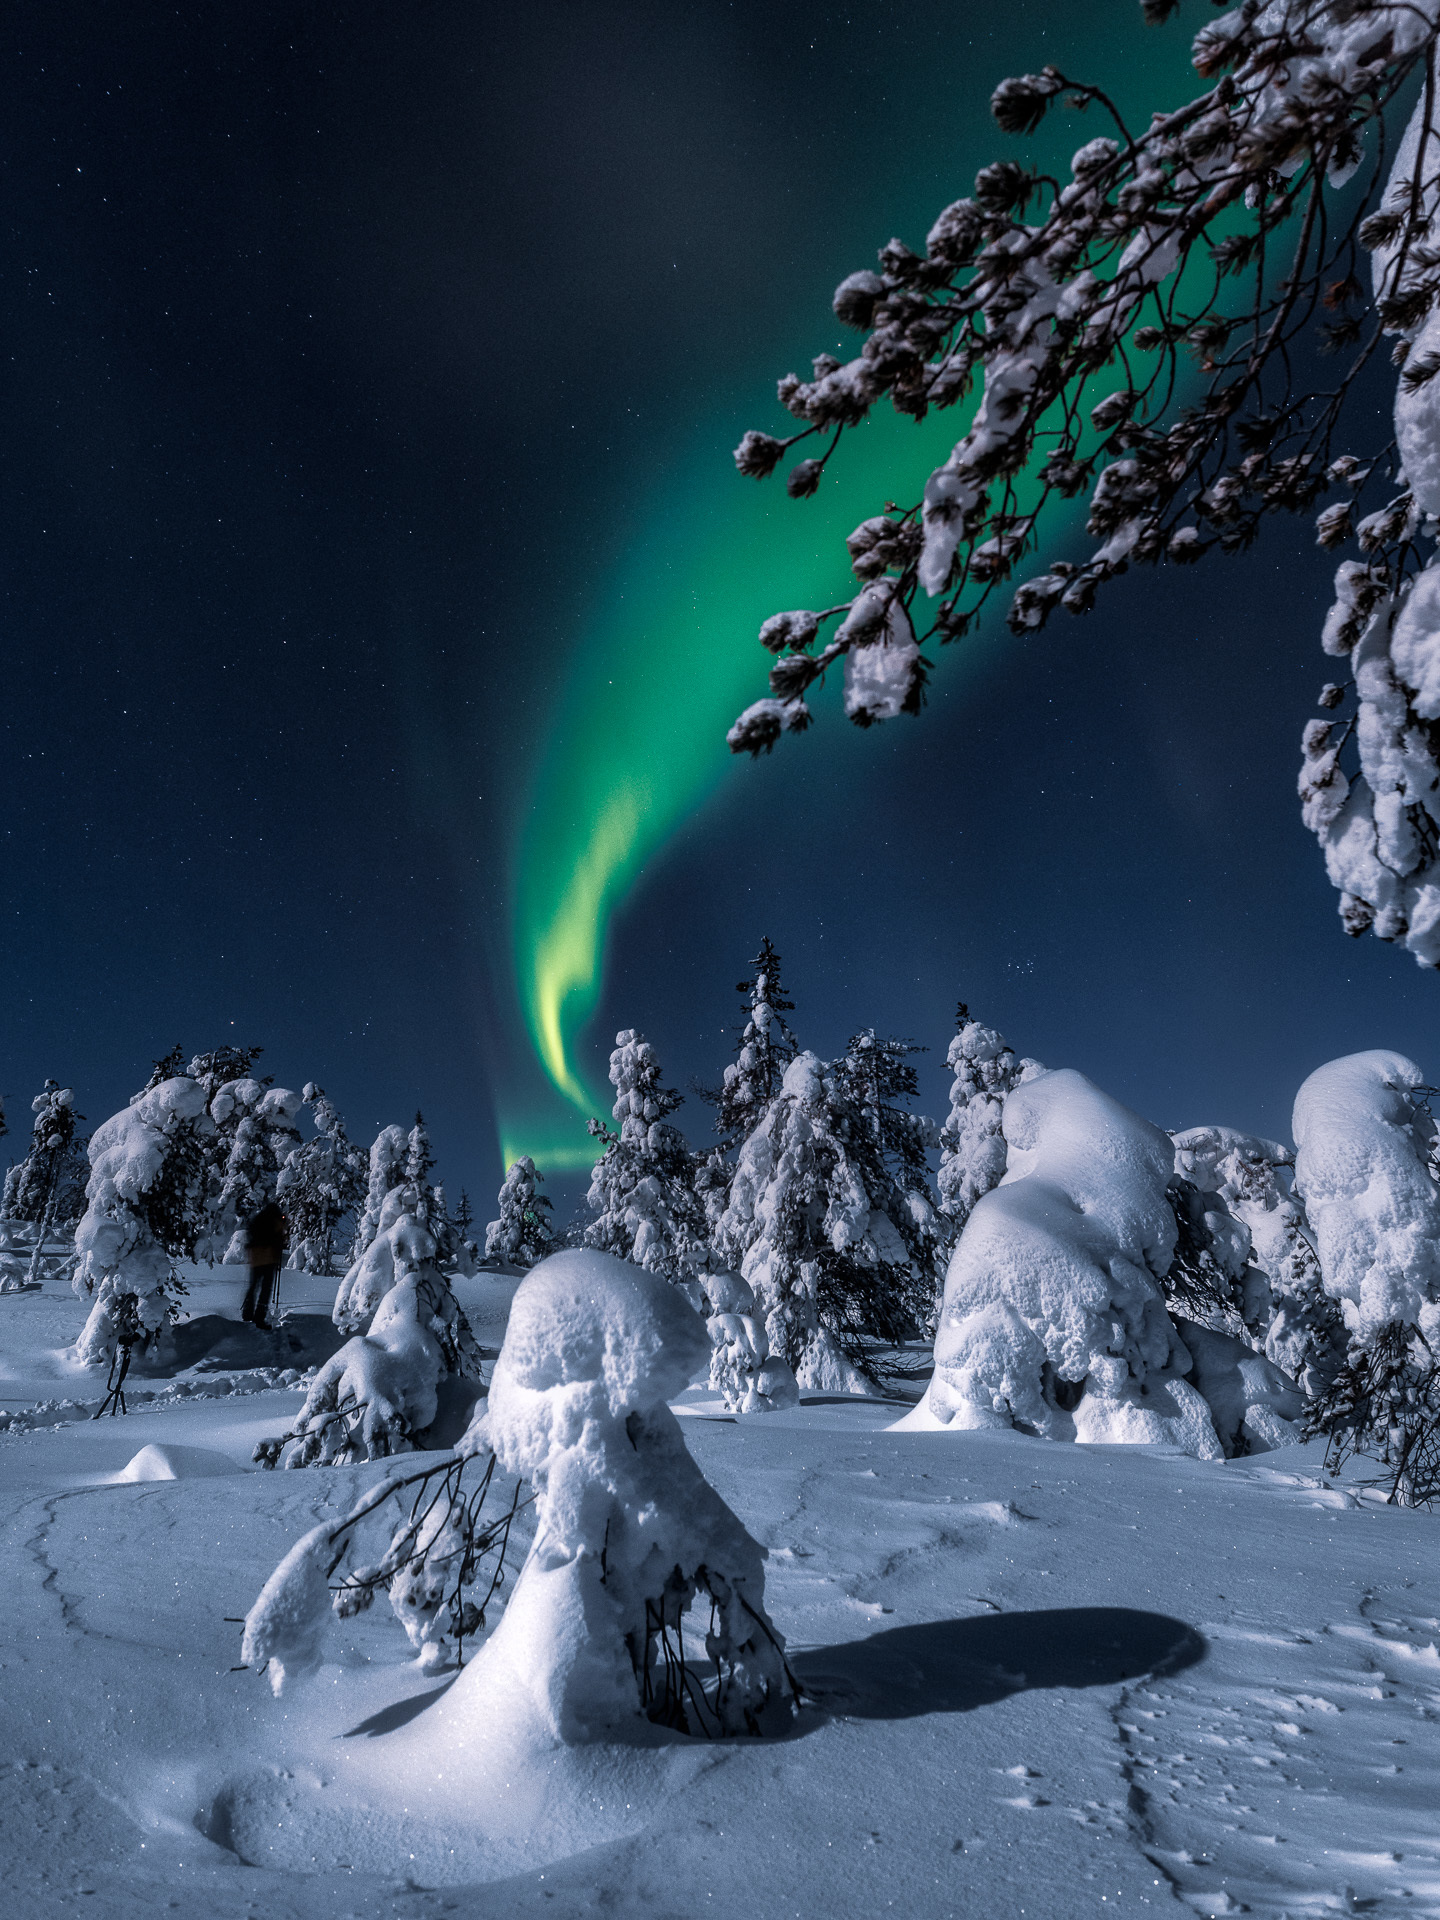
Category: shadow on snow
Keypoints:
(954, 1666)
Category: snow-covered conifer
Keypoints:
(1053, 1318)
(142, 1212)
(972, 1144)
(47, 1187)
(888, 1145)
(642, 1191)
(765, 1048)
(807, 1227)
(1365, 1170)
(322, 1183)
(523, 1233)
(260, 1123)
(388, 1154)
(1292, 1317)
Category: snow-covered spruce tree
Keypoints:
(322, 1183)
(642, 1191)
(972, 1145)
(49, 1183)
(765, 1047)
(1054, 1320)
(428, 1202)
(1365, 1169)
(888, 1145)
(388, 1154)
(143, 1211)
(816, 1226)
(260, 1123)
(523, 1233)
(1047, 292)
(46, 1190)
(1288, 1314)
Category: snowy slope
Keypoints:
(1047, 1680)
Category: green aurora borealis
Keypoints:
(669, 655)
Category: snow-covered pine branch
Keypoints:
(443, 1543)
(1213, 235)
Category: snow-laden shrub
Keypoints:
(1296, 1322)
(380, 1391)
(642, 1191)
(742, 1367)
(628, 1533)
(1364, 1167)
(445, 1547)
(523, 1233)
(147, 1174)
(1053, 1318)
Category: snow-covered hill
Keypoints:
(1046, 1680)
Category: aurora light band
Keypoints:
(637, 742)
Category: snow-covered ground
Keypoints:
(1046, 1679)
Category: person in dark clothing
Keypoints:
(266, 1234)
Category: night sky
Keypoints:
(377, 588)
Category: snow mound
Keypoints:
(166, 1462)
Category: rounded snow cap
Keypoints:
(802, 1078)
(582, 1316)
